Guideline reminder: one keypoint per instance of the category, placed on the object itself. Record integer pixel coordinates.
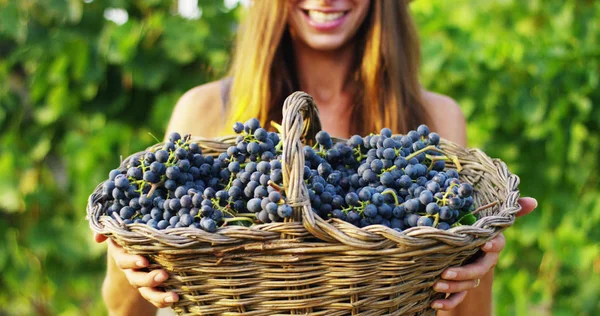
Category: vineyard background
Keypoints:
(83, 82)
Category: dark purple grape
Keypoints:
(121, 182)
(162, 224)
(455, 203)
(113, 174)
(370, 210)
(174, 205)
(254, 205)
(398, 211)
(426, 197)
(271, 208)
(443, 226)
(238, 127)
(433, 186)
(208, 225)
(151, 177)
(126, 212)
(432, 208)
(174, 220)
(263, 216)
(412, 220)
(377, 198)
(413, 135)
(423, 130)
(412, 206)
(465, 190)
(445, 213)
(351, 199)
(386, 132)
(251, 125)
(424, 221)
(434, 139)
(260, 134)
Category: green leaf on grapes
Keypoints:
(468, 219)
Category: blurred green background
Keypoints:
(85, 82)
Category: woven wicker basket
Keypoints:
(310, 266)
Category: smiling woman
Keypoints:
(359, 59)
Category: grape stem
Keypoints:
(434, 148)
(436, 219)
(389, 191)
(153, 188)
(484, 207)
(237, 219)
(275, 186)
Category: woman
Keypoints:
(359, 60)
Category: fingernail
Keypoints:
(170, 299)
(450, 274)
(536, 203)
(437, 305)
(160, 277)
(140, 264)
(440, 286)
(487, 246)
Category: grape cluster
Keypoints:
(177, 186)
(393, 180)
(396, 181)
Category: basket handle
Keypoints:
(301, 122)
(295, 128)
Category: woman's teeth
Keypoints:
(322, 17)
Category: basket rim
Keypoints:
(375, 236)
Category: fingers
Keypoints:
(125, 260)
(528, 204)
(449, 303)
(495, 245)
(99, 238)
(158, 298)
(469, 272)
(139, 279)
(455, 286)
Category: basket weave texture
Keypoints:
(310, 266)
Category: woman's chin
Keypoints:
(325, 43)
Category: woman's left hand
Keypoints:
(458, 280)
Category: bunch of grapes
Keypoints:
(397, 181)
(177, 186)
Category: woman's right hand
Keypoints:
(144, 282)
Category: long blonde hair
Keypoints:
(385, 72)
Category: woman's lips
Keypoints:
(325, 21)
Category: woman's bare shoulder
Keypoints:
(198, 112)
(447, 119)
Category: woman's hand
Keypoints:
(458, 280)
(144, 282)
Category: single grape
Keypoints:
(443, 226)
(423, 130)
(424, 221)
(465, 190)
(284, 211)
(426, 197)
(208, 225)
(432, 208)
(238, 127)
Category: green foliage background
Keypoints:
(77, 91)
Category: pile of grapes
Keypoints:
(396, 181)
